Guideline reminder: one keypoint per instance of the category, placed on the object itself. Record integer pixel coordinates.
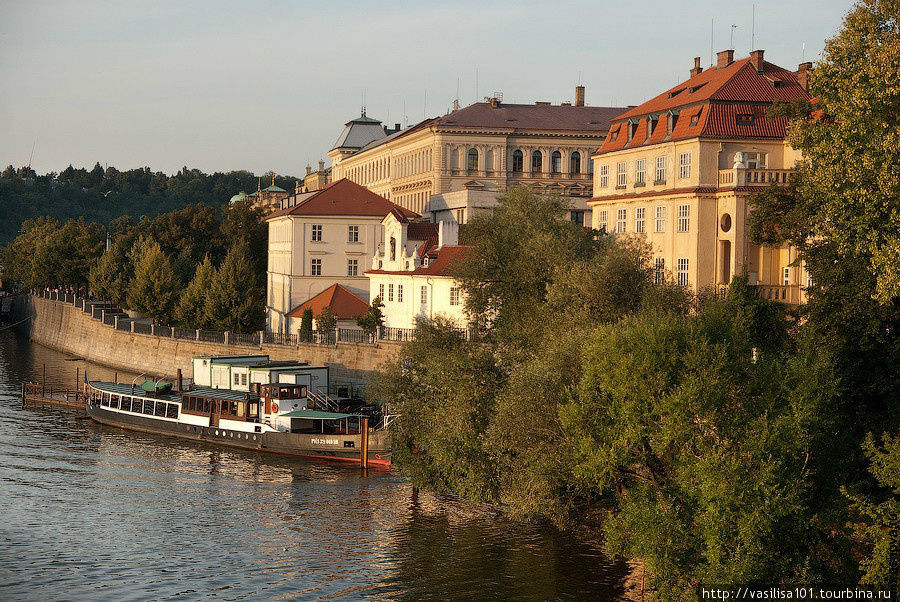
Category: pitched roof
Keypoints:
(519, 117)
(439, 263)
(343, 197)
(708, 104)
(344, 304)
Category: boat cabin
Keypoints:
(277, 398)
(317, 422)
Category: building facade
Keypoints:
(319, 239)
(679, 171)
(410, 273)
(487, 146)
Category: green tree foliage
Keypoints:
(47, 254)
(155, 287)
(325, 321)
(109, 277)
(234, 299)
(306, 321)
(847, 185)
(101, 195)
(373, 319)
(191, 309)
(242, 224)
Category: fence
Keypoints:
(111, 315)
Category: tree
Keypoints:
(154, 289)
(109, 277)
(235, 301)
(191, 309)
(244, 224)
(306, 322)
(847, 185)
(373, 319)
(325, 321)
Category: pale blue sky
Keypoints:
(268, 85)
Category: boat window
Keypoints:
(114, 401)
(148, 407)
(161, 408)
(104, 401)
(241, 408)
(171, 410)
(126, 404)
(234, 408)
(137, 405)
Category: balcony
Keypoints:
(730, 178)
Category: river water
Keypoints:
(92, 512)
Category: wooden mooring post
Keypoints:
(363, 443)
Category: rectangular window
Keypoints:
(381, 291)
(244, 379)
(684, 218)
(660, 170)
(640, 172)
(604, 176)
(237, 378)
(317, 232)
(423, 295)
(399, 293)
(620, 175)
(660, 219)
(353, 267)
(602, 220)
(352, 233)
(787, 276)
(639, 220)
(755, 160)
(659, 270)
(683, 272)
(621, 219)
(390, 292)
(454, 295)
(684, 165)
(315, 267)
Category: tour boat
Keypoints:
(253, 421)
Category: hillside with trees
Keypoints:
(102, 195)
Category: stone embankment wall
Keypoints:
(64, 327)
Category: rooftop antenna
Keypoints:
(457, 88)
(363, 111)
(32, 155)
(712, 26)
(753, 29)
(405, 121)
(803, 53)
(476, 84)
(731, 42)
(425, 105)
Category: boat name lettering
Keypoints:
(318, 441)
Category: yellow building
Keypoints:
(679, 170)
(487, 146)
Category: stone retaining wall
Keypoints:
(66, 328)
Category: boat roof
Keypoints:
(234, 361)
(194, 391)
(134, 391)
(279, 365)
(315, 415)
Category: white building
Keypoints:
(410, 272)
(319, 239)
(461, 206)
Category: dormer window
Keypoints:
(675, 93)
(744, 119)
(632, 128)
(695, 88)
(673, 121)
(651, 126)
(614, 134)
(695, 119)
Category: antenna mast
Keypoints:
(712, 25)
(753, 29)
(731, 41)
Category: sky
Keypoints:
(268, 85)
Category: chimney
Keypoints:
(448, 234)
(724, 58)
(396, 127)
(321, 165)
(697, 68)
(579, 96)
(803, 72)
(456, 104)
(756, 59)
(494, 102)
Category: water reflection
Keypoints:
(96, 512)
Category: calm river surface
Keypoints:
(91, 512)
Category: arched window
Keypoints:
(537, 161)
(517, 162)
(575, 163)
(472, 160)
(556, 162)
(393, 249)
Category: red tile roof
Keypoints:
(438, 265)
(708, 103)
(344, 304)
(343, 197)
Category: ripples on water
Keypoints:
(92, 512)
